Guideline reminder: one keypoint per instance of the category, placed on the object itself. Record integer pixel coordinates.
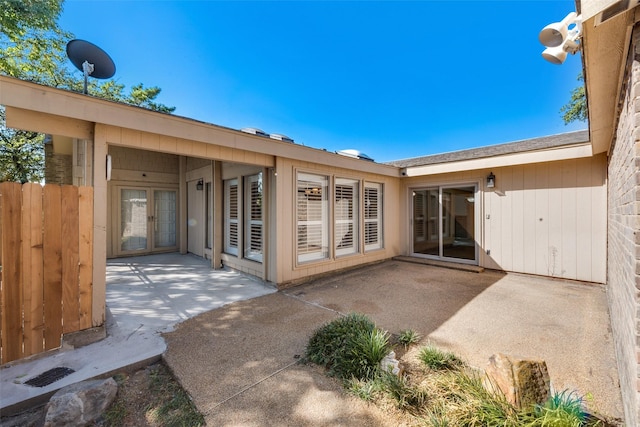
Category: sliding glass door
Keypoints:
(147, 220)
(443, 224)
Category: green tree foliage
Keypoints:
(21, 154)
(33, 48)
(576, 109)
(17, 17)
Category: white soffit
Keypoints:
(603, 10)
(562, 153)
(590, 8)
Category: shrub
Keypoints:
(459, 398)
(408, 337)
(408, 397)
(364, 389)
(369, 350)
(562, 409)
(438, 360)
(350, 346)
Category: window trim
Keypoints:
(249, 221)
(322, 189)
(379, 219)
(354, 221)
(228, 221)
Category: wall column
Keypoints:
(218, 215)
(100, 151)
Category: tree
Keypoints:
(33, 48)
(21, 154)
(576, 109)
(20, 16)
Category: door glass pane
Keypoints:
(419, 220)
(425, 222)
(133, 220)
(164, 224)
(458, 234)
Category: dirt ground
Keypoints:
(149, 397)
(139, 398)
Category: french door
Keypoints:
(147, 220)
(443, 223)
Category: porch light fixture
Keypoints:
(200, 185)
(491, 180)
(561, 38)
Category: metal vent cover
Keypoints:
(49, 377)
(615, 9)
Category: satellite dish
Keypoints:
(91, 60)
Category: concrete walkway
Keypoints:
(239, 362)
(145, 297)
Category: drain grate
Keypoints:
(49, 377)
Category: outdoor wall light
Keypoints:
(200, 185)
(491, 180)
(561, 38)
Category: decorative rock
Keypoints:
(390, 364)
(524, 382)
(80, 404)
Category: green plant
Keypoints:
(458, 398)
(350, 346)
(368, 351)
(408, 337)
(437, 359)
(364, 389)
(408, 397)
(562, 409)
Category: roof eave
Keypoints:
(548, 155)
(605, 49)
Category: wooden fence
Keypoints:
(46, 266)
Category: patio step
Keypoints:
(444, 264)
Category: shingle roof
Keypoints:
(552, 141)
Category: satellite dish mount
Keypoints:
(91, 60)
(87, 69)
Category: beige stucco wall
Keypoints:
(542, 218)
(289, 271)
(135, 150)
(136, 168)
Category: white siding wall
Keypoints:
(545, 218)
(549, 219)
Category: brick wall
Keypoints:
(58, 168)
(623, 252)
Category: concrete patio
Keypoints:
(234, 343)
(239, 363)
(146, 296)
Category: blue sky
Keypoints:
(391, 79)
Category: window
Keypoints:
(347, 216)
(372, 216)
(231, 216)
(253, 217)
(313, 217)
